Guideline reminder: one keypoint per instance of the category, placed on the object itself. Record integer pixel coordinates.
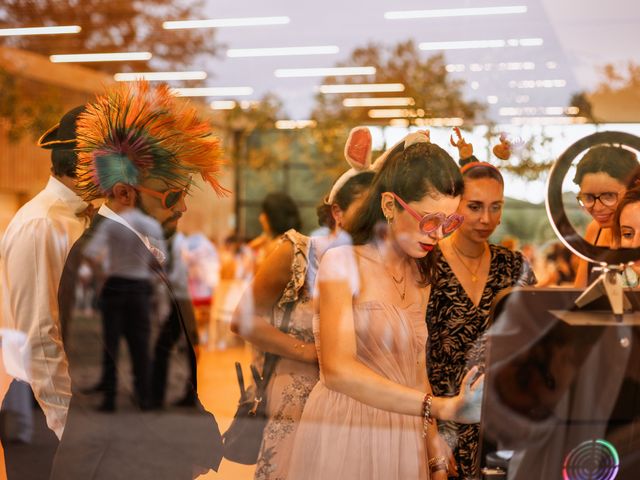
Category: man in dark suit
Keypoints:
(138, 147)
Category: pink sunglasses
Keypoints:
(430, 222)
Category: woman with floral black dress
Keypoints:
(470, 273)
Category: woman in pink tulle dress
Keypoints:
(366, 417)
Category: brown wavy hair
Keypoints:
(411, 173)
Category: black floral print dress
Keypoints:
(456, 331)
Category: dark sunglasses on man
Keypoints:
(169, 197)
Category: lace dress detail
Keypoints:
(293, 381)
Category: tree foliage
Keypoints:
(25, 109)
(254, 127)
(613, 79)
(112, 26)
(581, 101)
(616, 79)
(426, 80)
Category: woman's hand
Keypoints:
(467, 405)
(440, 448)
(448, 453)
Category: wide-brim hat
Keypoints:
(62, 136)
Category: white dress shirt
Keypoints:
(107, 236)
(33, 252)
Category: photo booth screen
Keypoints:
(562, 392)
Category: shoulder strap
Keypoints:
(271, 359)
(286, 318)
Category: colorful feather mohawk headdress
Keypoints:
(135, 131)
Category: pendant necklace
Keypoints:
(396, 282)
(459, 254)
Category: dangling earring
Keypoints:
(389, 220)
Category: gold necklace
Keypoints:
(453, 242)
(474, 274)
(395, 281)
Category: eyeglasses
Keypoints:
(588, 200)
(170, 197)
(430, 222)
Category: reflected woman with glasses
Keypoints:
(371, 414)
(601, 175)
(470, 272)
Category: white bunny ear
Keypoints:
(377, 164)
(357, 150)
(411, 138)
(420, 136)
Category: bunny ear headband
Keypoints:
(420, 136)
(466, 152)
(357, 152)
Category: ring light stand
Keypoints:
(611, 263)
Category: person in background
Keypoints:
(32, 255)
(530, 253)
(470, 272)
(126, 285)
(279, 214)
(202, 261)
(175, 315)
(285, 282)
(509, 242)
(602, 174)
(237, 266)
(559, 271)
(370, 417)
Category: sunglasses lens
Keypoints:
(452, 224)
(430, 223)
(172, 197)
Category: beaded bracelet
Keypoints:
(436, 467)
(426, 414)
(437, 461)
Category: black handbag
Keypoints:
(243, 438)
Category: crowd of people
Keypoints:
(375, 329)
